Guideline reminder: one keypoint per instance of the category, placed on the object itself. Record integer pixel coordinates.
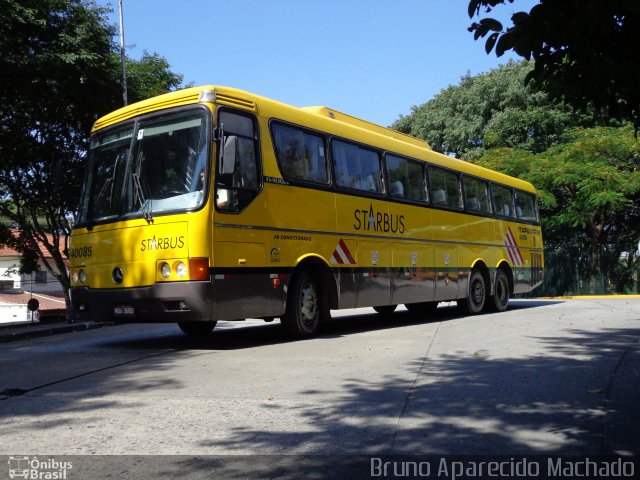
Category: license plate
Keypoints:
(123, 311)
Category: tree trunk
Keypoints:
(594, 231)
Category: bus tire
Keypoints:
(305, 306)
(385, 309)
(422, 308)
(499, 301)
(476, 295)
(197, 329)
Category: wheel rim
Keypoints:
(308, 303)
(477, 292)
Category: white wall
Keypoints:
(9, 270)
(24, 282)
(51, 285)
(10, 313)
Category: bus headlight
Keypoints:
(82, 276)
(181, 270)
(165, 270)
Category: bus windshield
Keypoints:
(158, 164)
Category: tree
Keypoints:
(58, 73)
(584, 51)
(493, 109)
(150, 76)
(589, 193)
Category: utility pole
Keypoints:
(122, 56)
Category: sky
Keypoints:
(372, 59)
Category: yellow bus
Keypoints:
(211, 203)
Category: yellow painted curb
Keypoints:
(592, 297)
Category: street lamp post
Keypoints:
(122, 56)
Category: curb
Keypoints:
(589, 297)
(27, 333)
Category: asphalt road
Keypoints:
(545, 377)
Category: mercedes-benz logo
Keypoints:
(117, 275)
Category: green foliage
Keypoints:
(53, 59)
(584, 51)
(589, 187)
(58, 73)
(150, 76)
(491, 110)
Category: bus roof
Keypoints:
(358, 122)
(321, 118)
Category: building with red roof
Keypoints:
(17, 289)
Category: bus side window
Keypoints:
(342, 154)
(439, 197)
(237, 180)
(476, 195)
(357, 168)
(444, 187)
(502, 200)
(406, 178)
(396, 189)
(526, 206)
(300, 154)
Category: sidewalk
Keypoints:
(52, 320)
(23, 331)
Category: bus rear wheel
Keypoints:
(499, 301)
(476, 295)
(385, 309)
(197, 329)
(305, 306)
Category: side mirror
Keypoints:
(226, 199)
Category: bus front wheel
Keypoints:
(476, 295)
(305, 307)
(197, 329)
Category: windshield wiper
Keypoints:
(144, 203)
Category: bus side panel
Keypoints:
(368, 216)
(446, 231)
(413, 275)
(243, 295)
(522, 249)
(447, 272)
(348, 287)
(530, 276)
(374, 278)
(243, 286)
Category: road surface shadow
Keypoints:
(560, 398)
(238, 335)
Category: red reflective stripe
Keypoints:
(342, 255)
(335, 258)
(512, 249)
(346, 251)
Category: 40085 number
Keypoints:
(80, 252)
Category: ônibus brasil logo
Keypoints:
(33, 468)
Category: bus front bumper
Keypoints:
(161, 302)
